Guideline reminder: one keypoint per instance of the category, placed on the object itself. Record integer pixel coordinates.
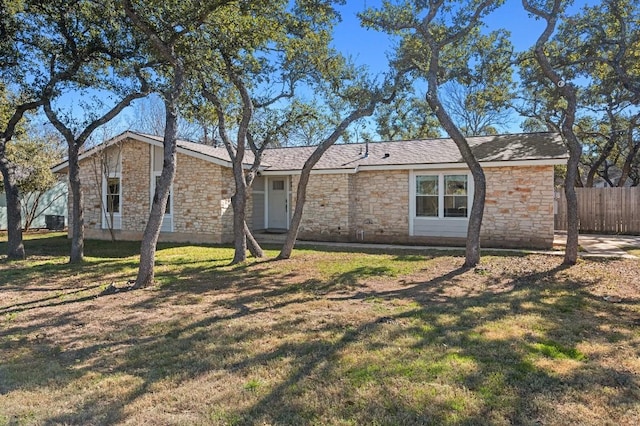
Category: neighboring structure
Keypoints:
(52, 203)
(402, 192)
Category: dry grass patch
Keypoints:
(327, 337)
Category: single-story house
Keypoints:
(417, 191)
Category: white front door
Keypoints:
(277, 204)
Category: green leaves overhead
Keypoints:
(597, 51)
(32, 160)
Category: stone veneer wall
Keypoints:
(91, 191)
(369, 206)
(374, 206)
(326, 212)
(519, 207)
(201, 207)
(136, 202)
(380, 205)
(197, 198)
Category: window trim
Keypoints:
(441, 190)
(106, 215)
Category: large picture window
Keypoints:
(442, 195)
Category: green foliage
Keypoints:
(406, 118)
(596, 50)
(33, 160)
(474, 66)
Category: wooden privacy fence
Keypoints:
(602, 210)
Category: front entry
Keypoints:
(277, 203)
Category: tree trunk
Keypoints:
(77, 211)
(239, 202)
(294, 226)
(472, 250)
(626, 167)
(158, 206)
(15, 246)
(472, 254)
(296, 219)
(593, 169)
(568, 92)
(253, 246)
(571, 249)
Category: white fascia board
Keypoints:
(435, 166)
(447, 166)
(151, 141)
(88, 153)
(313, 172)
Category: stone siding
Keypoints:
(518, 207)
(326, 211)
(136, 200)
(380, 205)
(196, 192)
(201, 204)
(367, 206)
(91, 187)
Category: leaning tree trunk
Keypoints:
(15, 246)
(472, 250)
(296, 219)
(252, 244)
(568, 92)
(77, 211)
(472, 255)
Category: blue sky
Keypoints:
(371, 48)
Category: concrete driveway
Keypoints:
(603, 245)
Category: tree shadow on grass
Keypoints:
(507, 375)
(457, 353)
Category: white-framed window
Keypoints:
(112, 201)
(442, 195)
(113, 198)
(427, 195)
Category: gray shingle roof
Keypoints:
(512, 147)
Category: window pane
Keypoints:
(278, 185)
(455, 197)
(427, 205)
(427, 185)
(455, 185)
(455, 206)
(113, 195)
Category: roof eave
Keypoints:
(422, 166)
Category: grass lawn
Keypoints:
(325, 338)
